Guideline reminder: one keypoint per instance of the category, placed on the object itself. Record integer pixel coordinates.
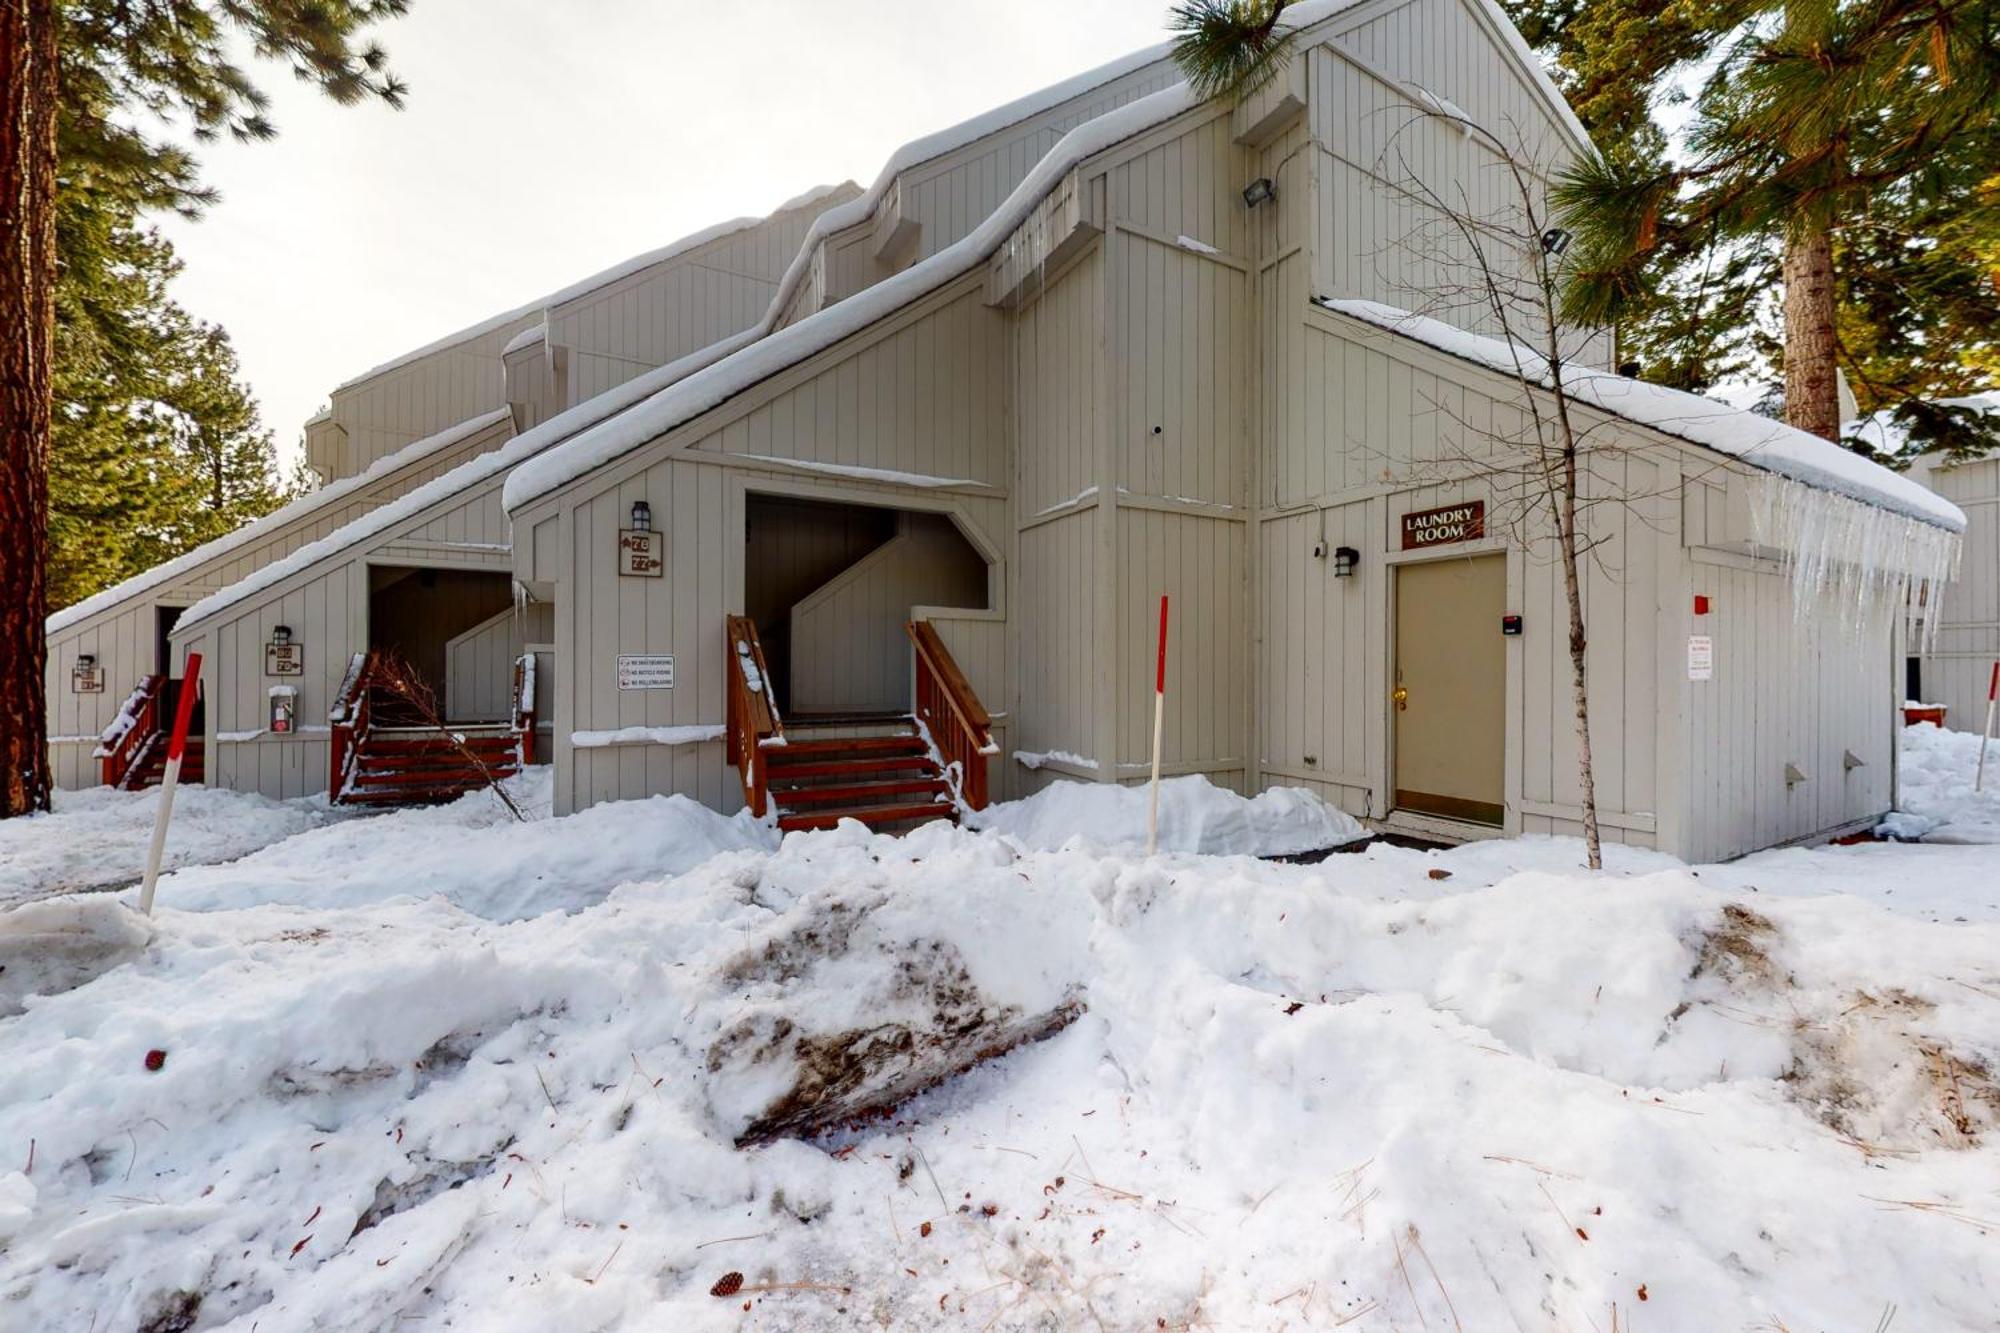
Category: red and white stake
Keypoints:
(1159, 721)
(1992, 693)
(176, 748)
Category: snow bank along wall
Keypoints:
(1132, 392)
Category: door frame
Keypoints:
(1437, 826)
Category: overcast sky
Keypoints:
(546, 139)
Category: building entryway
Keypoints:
(1449, 706)
(431, 620)
(830, 588)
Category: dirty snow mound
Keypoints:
(1195, 816)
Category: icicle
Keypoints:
(1857, 561)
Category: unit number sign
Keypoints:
(1439, 527)
(653, 671)
(284, 659)
(641, 553)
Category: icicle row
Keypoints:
(1857, 561)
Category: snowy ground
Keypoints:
(1396, 1090)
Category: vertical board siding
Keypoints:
(1957, 668)
(122, 636)
(479, 664)
(848, 648)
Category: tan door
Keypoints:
(1451, 688)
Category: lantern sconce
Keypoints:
(86, 660)
(1345, 558)
(1259, 191)
(1554, 241)
(642, 516)
(281, 634)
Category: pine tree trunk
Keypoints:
(1812, 379)
(27, 314)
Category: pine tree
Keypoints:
(1836, 155)
(1229, 48)
(81, 82)
(155, 445)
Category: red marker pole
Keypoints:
(1992, 693)
(176, 748)
(1159, 721)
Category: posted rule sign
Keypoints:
(1701, 657)
(649, 671)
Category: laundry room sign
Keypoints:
(1441, 527)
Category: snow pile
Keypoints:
(1195, 816)
(1289, 1096)
(694, 734)
(97, 837)
(1936, 801)
(474, 854)
(49, 947)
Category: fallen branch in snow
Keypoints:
(400, 681)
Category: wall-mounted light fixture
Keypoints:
(1345, 558)
(86, 660)
(1554, 241)
(281, 634)
(642, 516)
(1259, 191)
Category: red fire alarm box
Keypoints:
(1701, 603)
(284, 709)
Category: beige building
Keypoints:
(902, 538)
(384, 434)
(1133, 378)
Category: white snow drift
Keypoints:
(1476, 1089)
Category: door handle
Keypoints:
(1402, 698)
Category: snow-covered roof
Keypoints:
(777, 348)
(1756, 440)
(455, 483)
(774, 351)
(585, 286)
(527, 337)
(1298, 15)
(303, 507)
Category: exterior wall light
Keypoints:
(281, 634)
(1344, 560)
(1259, 191)
(86, 660)
(642, 516)
(1554, 241)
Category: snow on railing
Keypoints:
(135, 705)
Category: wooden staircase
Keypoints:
(132, 752)
(385, 754)
(889, 772)
(817, 779)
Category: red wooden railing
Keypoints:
(524, 706)
(958, 724)
(753, 715)
(351, 717)
(125, 742)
